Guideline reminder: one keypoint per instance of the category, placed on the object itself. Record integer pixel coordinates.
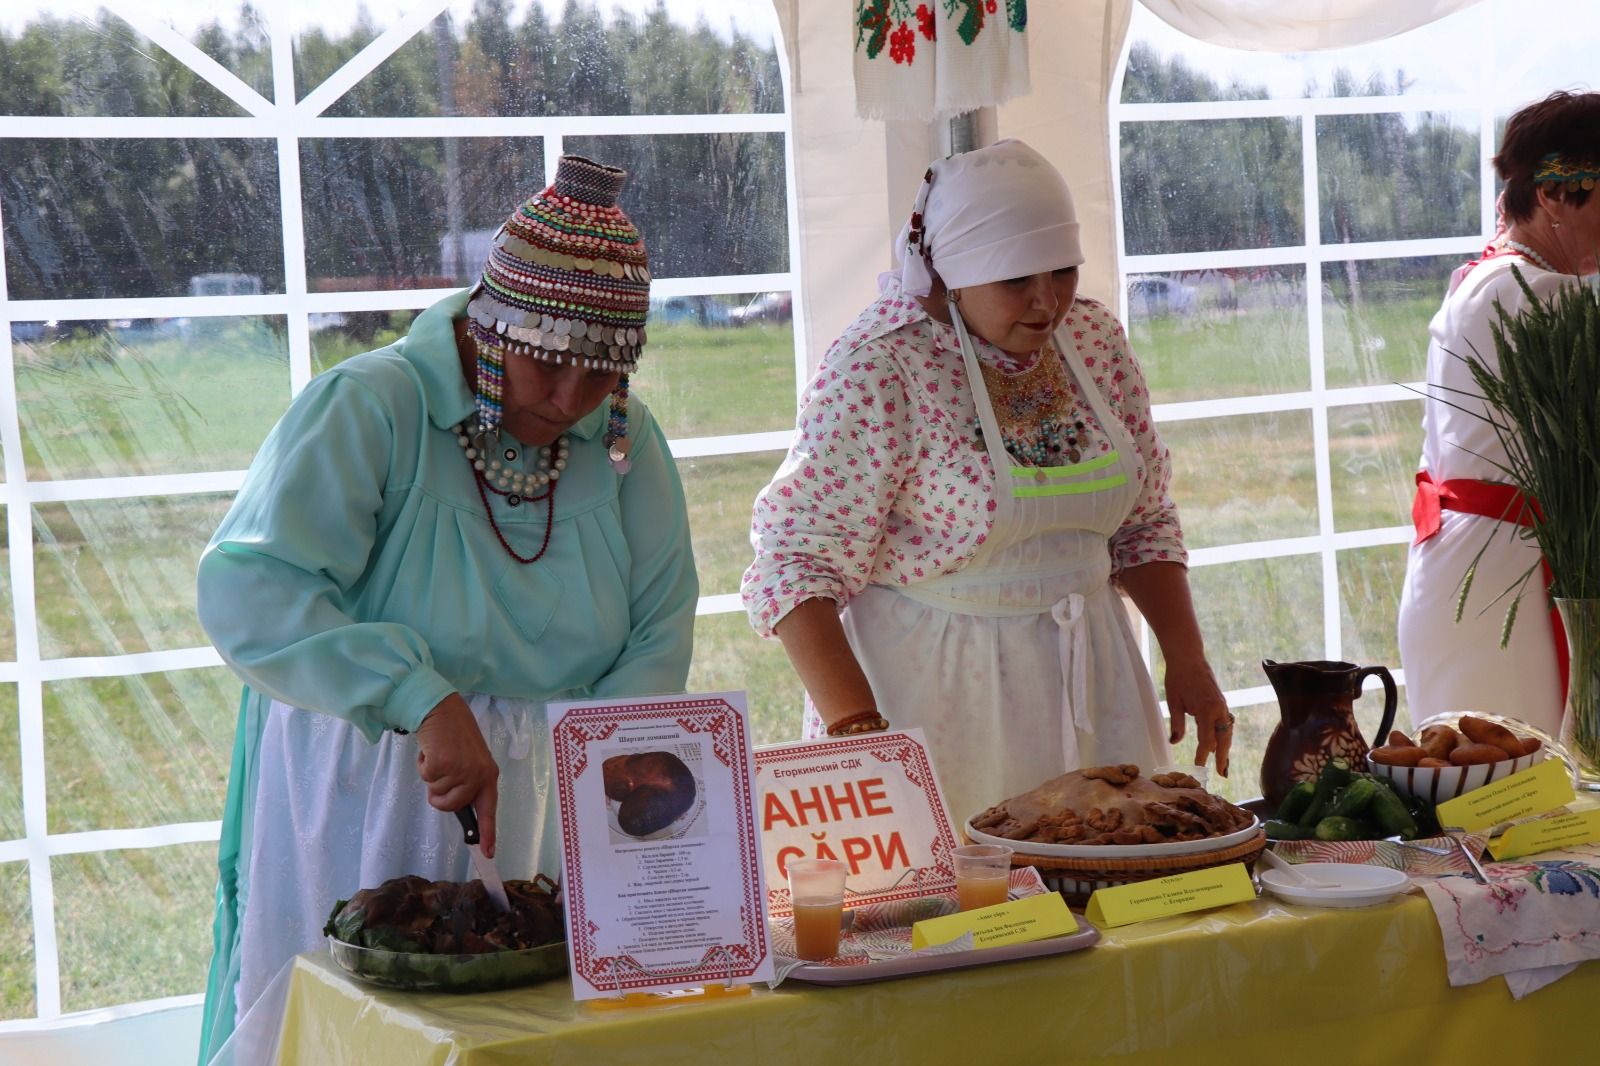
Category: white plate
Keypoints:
(1348, 884)
(1118, 851)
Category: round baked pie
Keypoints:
(652, 788)
(1113, 805)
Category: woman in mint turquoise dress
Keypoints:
(437, 539)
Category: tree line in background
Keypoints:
(1201, 185)
(145, 216)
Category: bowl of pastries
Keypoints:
(1111, 825)
(448, 936)
(1453, 754)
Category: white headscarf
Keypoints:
(997, 213)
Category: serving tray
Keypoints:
(824, 974)
(876, 945)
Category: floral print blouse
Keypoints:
(887, 482)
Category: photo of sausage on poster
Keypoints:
(656, 808)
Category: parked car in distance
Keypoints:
(1157, 294)
(692, 311)
(766, 307)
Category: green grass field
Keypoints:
(116, 576)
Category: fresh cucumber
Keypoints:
(1336, 828)
(1296, 802)
(1278, 829)
(1389, 811)
(1353, 800)
(1335, 775)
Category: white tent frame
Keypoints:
(287, 123)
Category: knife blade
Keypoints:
(482, 865)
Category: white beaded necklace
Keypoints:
(494, 461)
(1532, 256)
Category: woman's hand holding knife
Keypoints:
(456, 765)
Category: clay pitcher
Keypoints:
(1316, 721)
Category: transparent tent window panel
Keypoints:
(1234, 331)
(149, 396)
(140, 217)
(1252, 728)
(1210, 184)
(12, 826)
(1372, 458)
(338, 335)
(526, 57)
(1375, 315)
(75, 58)
(707, 203)
(729, 655)
(16, 961)
(133, 924)
(1243, 478)
(720, 364)
(1397, 176)
(720, 490)
(408, 213)
(1253, 610)
(8, 625)
(142, 750)
(116, 577)
(238, 38)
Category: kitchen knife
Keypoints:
(482, 865)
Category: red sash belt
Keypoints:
(1490, 499)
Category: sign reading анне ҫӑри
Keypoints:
(871, 801)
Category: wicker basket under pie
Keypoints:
(1107, 825)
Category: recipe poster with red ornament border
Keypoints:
(872, 801)
(679, 907)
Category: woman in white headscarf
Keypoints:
(974, 468)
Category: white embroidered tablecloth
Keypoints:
(1535, 921)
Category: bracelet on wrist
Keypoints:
(865, 722)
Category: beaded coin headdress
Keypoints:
(567, 282)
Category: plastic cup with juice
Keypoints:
(983, 874)
(816, 891)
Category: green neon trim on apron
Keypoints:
(1031, 473)
(1076, 488)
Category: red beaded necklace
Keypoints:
(484, 488)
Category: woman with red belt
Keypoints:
(1550, 161)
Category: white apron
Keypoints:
(334, 813)
(1022, 665)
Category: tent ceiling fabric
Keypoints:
(1299, 25)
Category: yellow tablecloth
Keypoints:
(1254, 982)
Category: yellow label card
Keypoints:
(1197, 890)
(1546, 834)
(1033, 918)
(1540, 788)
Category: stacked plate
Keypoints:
(1335, 884)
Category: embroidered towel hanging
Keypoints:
(925, 59)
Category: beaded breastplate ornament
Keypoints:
(1032, 407)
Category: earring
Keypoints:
(1555, 223)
